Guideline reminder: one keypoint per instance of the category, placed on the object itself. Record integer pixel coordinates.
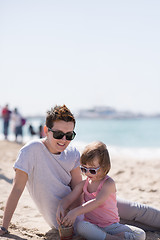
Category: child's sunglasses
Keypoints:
(90, 170)
(59, 134)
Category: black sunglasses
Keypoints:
(59, 134)
(91, 170)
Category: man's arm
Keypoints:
(68, 200)
(17, 189)
(76, 179)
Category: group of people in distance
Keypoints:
(17, 123)
(52, 171)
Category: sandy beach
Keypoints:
(136, 179)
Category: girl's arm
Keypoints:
(68, 200)
(107, 189)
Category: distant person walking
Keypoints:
(6, 113)
(17, 125)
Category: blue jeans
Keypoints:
(92, 232)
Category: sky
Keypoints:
(82, 53)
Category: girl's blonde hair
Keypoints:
(96, 149)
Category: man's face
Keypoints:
(59, 145)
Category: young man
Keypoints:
(49, 167)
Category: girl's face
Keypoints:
(88, 170)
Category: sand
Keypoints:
(136, 179)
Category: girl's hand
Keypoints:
(70, 218)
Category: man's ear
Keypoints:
(45, 129)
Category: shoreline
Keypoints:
(136, 180)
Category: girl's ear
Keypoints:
(45, 129)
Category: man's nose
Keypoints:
(64, 138)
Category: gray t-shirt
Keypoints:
(48, 175)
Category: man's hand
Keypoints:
(60, 214)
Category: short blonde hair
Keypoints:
(96, 149)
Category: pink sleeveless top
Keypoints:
(105, 214)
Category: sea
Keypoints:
(137, 138)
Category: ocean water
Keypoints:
(137, 133)
(134, 137)
(129, 138)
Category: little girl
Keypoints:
(101, 220)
